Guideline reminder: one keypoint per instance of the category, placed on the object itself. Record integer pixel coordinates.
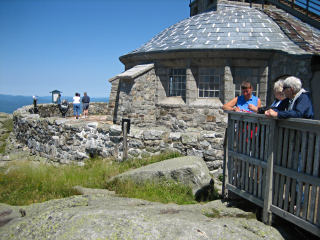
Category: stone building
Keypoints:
(182, 76)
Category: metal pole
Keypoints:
(125, 143)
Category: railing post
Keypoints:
(126, 131)
(225, 160)
(125, 143)
(267, 215)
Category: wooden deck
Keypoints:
(275, 164)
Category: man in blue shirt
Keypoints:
(300, 105)
(241, 103)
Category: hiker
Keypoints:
(64, 107)
(85, 104)
(76, 105)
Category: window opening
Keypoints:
(209, 83)
(177, 82)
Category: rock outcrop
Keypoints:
(102, 215)
(190, 170)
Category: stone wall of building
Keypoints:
(137, 99)
(315, 86)
(270, 65)
(192, 118)
(141, 99)
(65, 140)
(298, 66)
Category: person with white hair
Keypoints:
(280, 102)
(300, 105)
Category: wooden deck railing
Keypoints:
(275, 164)
(307, 10)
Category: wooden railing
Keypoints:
(307, 6)
(275, 164)
(306, 10)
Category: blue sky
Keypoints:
(75, 45)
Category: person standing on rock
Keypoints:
(76, 105)
(85, 104)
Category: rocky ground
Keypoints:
(100, 214)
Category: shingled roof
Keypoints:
(302, 34)
(235, 27)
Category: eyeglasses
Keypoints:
(284, 88)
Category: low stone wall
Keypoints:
(68, 140)
(52, 110)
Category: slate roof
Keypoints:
(230, 27)
(302, 34)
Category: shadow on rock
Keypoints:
(207, 193)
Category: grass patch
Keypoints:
(162, 191)
(213, 214)
(8, 126)
(25, 183)
(217, 214)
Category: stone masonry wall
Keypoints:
(52, 110)
(65, 140)
(192, 118)
(137, 99)
(290, 65)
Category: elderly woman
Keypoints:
(280, 103)
(300, 105)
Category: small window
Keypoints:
(177, 82)
(209, 83)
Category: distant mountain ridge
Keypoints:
(10, 103)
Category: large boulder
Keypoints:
(189, 170)
(102, 215)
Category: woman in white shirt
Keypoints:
(76, 105)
